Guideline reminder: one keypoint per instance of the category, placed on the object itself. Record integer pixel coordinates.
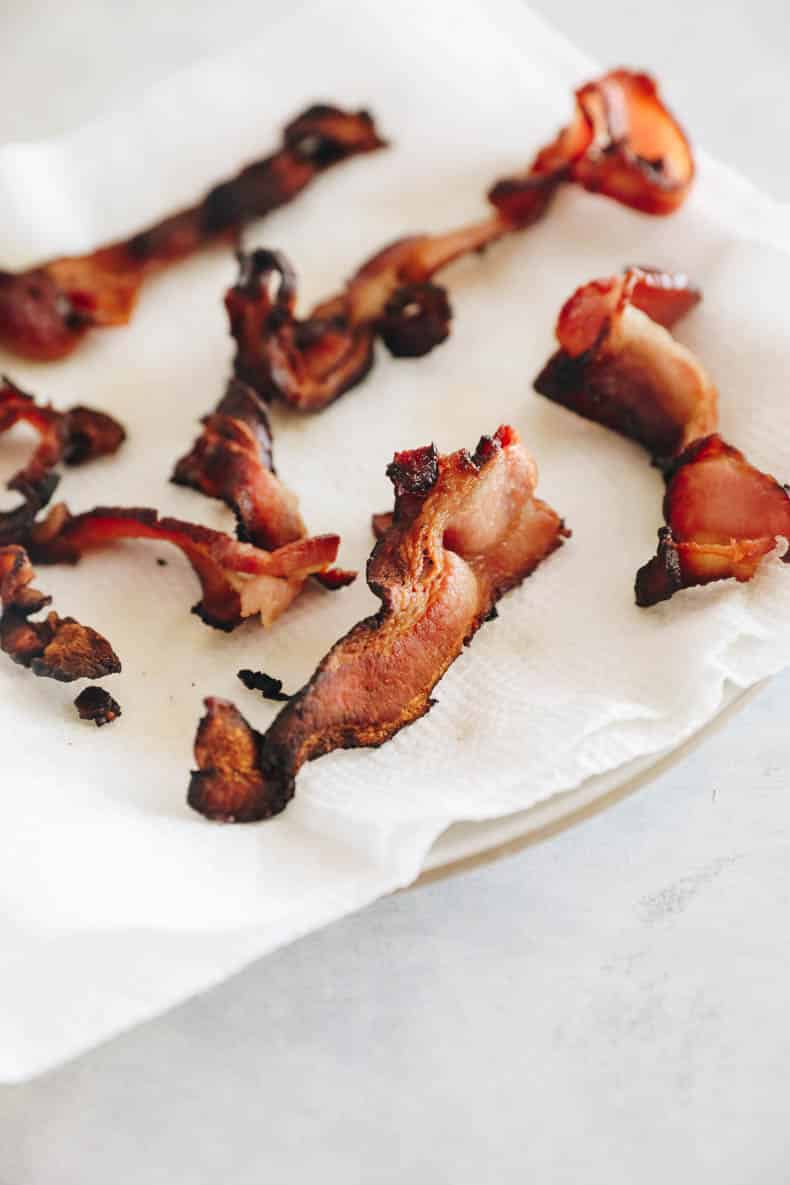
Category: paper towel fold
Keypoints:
(117, 901)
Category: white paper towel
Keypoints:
(118, 901)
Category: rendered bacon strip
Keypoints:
(46, 311)
(723, 516)
(466, 529)
(237, 579)
(232, 460)
(73, 437)
(619, 365)
(622, 143)
(55, 648)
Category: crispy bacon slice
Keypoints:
(237, 579)
(723, 516)
(55, 648)
(619, 365)
(46, 311)
(232, 460)
(96, 704)
(466, 528)
(73, 437)
(622, 143)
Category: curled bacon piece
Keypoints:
(237, 579)
(73, 436)
(232, 460)
(623, 143)
(723, 516)
(55, 648)
(466, 528)
(619, 365)
(46, 311)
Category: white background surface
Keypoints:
(609, 1006)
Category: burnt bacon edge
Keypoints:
(46, 310)
(96, 704)
(56, 648)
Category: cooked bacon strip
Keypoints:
(73, 437)
(55, 648)
(46, 311)
(466, 528)
(623, 143)
(96, 704)
(237, 579)
(723, 516)
(619, 365)
(232, 460)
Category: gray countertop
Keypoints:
(610, 1005)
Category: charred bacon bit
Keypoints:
(55, 648)
(73, 437)
(622, 142)
(269, 687)
(237, 579)
(46, 311)
(723, 516)
(619, 365)
(456, 544)
(96, 704)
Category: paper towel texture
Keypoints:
(115, 899)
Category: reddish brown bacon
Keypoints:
(237, 579)
(73, 437)
(622, 143)
(55, 648)
(46, 311)
(466, 528)
(723, 516)
(232, 460)
(619, 365)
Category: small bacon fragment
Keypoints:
(237, 579)
(74, 436)
(466, 528)
(269, 687)
(96, 704)
(622, 143)
(723, 517)
(46, 311)
(619, 365)
(55, 648)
